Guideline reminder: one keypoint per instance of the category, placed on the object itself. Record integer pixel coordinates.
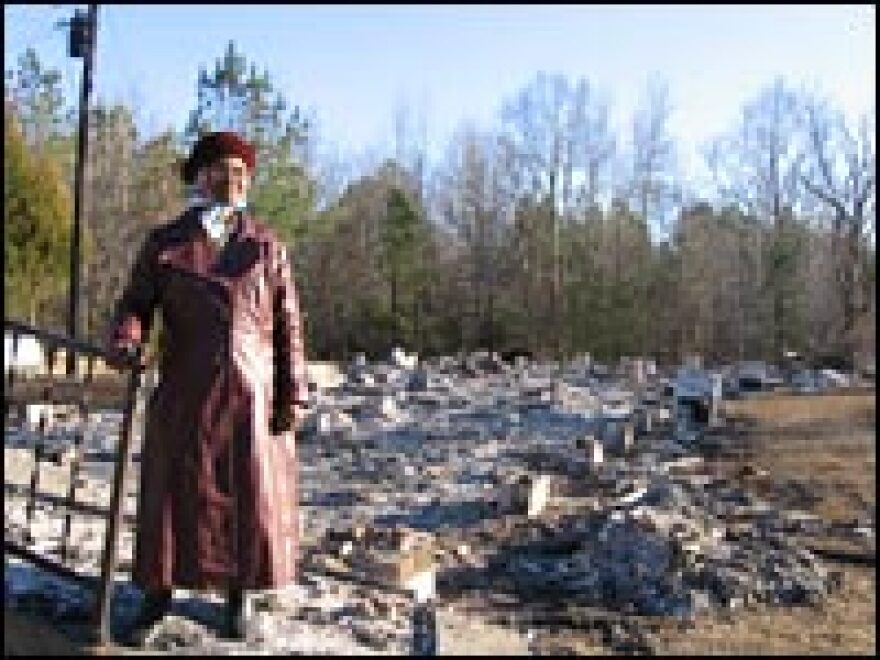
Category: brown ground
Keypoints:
(822, 445)
(826, 444)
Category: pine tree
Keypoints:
(36, 216)
(235, 97)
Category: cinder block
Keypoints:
(413, 568)
(325, 375)
(596, 452)
(629, 437)
(526, 495)
(539, 495)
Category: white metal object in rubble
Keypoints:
(539, 495)
(28, 355)
(422, 584)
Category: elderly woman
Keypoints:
(217, 506)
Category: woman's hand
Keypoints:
(124, 357)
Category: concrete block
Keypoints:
(388, 408)
(539, 495)
(411, 568)
(596, 452)
(29, 353)
(593, 449)
(34, 412)
(423, 584)
(629, 437)
(325, 375)
(526, 494)
(400, 359)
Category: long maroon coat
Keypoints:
(217, 505)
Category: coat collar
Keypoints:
(244, 227)
(191, 249)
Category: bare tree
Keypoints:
(758, 171)
(653, 171)
(839, 169)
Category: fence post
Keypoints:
(117, 504)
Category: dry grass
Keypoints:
(858, 409)
(838, 467)
(822, 445)
(843, 625)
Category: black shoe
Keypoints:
(155, 606)
(236, 615)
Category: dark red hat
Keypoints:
(212, 146)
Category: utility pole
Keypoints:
(83, 28)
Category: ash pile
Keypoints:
(577, 483)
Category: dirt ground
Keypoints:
(823, 446)
(819, 454)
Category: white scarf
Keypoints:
(213, 217)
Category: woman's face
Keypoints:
(225, 181)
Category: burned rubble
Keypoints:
(428, 480)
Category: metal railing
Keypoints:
(84, 392)
(88, 391)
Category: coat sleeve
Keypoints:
(291, 385)
(133, 314)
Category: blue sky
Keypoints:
(353, 64)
